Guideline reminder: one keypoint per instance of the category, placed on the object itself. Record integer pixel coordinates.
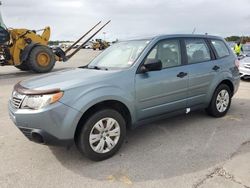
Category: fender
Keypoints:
(225, 75)
(25, 53)
(93, 96)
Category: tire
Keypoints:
(217, 108)
(23, 67)
(41, 59)
(93, 151)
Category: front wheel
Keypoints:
(41, 59)
(102, 135)
(220, 102)
(23, 67)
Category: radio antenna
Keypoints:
(194, 30)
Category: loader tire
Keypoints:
(23, 67)
(41, 59)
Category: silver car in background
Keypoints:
(244, 66)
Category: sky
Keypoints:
(69, 19)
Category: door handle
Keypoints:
(182, 74)
(216, 68)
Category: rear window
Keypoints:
(197, 51)
(220, 48)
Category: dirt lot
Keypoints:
(192, 150)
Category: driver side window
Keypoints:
(168, 51)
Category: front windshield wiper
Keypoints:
(97, 67)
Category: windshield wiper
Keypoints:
(97, 68)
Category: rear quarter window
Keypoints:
(220, 48)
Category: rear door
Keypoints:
(159, 92)
(201, 68)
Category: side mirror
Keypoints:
(151, 65)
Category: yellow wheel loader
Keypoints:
(26, 50)
(100, 44)
(29, 51)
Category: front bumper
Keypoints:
(244, 72)
(42, 137)
(52, 125)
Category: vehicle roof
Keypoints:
(188, 36)
(174, 36)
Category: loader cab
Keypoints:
(4, 34)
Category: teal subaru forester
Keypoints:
(129, 84)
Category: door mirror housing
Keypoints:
(151, 65)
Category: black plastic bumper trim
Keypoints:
(42, 137)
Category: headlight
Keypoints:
(39, 101)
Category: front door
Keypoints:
(159, 92)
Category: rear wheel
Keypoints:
(220, 102)
(102, 135)
(23, 67)
(41, 59)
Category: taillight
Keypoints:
(237, 63)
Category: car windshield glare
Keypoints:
(120, 55)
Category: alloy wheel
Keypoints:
(222, 101)
(104, 135)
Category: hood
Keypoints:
(245, 60)
(67, 79)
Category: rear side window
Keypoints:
(220, 48)
(197, 50)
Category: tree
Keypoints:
(243, 39)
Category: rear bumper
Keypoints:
(54, 125)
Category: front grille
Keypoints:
(26, 132)
(16, 99)
(247, 66)
(16, 102)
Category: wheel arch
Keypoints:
(229, 83)
(113, 104)
(25, 53)
(212, 108)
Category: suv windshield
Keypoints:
(119, 55)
